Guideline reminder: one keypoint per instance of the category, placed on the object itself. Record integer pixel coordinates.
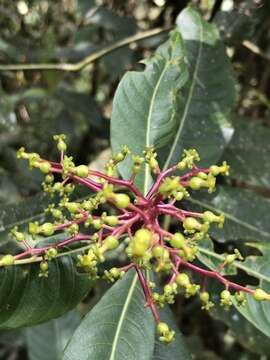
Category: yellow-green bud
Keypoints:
(121, 200)
(162, 328)
(191, 223)
(111, 242)
(111, 220)
(196, 183)
(225, 295)
(47, 229)
(7, 260)
(261, 295)
(178, 241)
(43, 266)
(158, 251)
(82, 171)
(204, 296)
(72, 207)
(182, 280)
(45, 167)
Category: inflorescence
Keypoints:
(132, 225)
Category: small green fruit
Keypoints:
(178, 241)
(7, 260)
(261, 295)
(182, 280)
(82, 171)
(111, 242)
(162, 328)
(47, 229)
(195, 183)
(43, 266)
(121, 200)
(45, 167)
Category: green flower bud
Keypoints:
(178, 241)
(121, 200)
(51, 253)
(47, 229)
(43, 266)
(111, 220)
(7, 260)
(261, 295)
(72, 207)
(45, 167)
(225, 295)
(111, 242)
(182, 280)
(191, 224)
(240, 298)
(162, 328)
(204, 296)
(97, 224)
(82, 171)
(49, 179)
(158, 251)
(196, 183)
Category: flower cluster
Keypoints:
(133, 225)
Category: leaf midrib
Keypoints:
(148, 124)
(190, 94)
(122, 317)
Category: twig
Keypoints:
(88, 59)
(255, 49)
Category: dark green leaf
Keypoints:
(177, 349)
(26, 299)
(246, 214)
(247, 334)
(258, 312)
(145, 104)
(118, 327)
(203, 122)
(248, 153)
(47, 341)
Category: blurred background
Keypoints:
(35, 104)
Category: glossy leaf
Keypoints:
(258, 312)
(246, 214)
(26, 299)
(56, 332)
(177, 349)
(203, 122)
(248, 153)
(146, 103)
(118, 327)
(247, 334)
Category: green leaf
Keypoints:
(26, 299)
(118, 327)
(31, 209)
(247, 334)
(56, 332)
(203, 122)
(246, 214)
(212, 260)
(146, 103)
(248, 153)
(177, 349)
(258, 313)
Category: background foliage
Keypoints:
(36, 104)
